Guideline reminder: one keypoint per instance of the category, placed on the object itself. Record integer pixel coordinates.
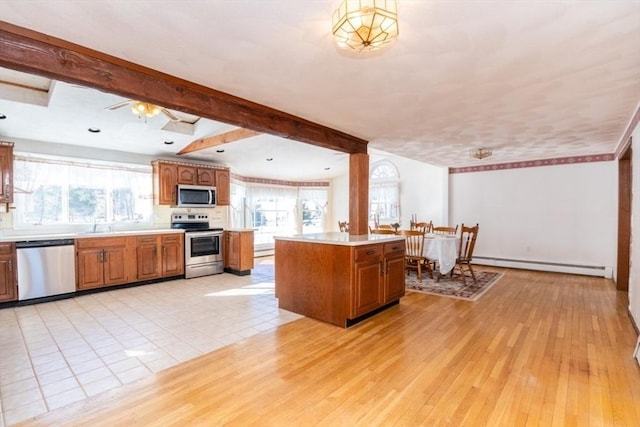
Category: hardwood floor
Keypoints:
(537, 349)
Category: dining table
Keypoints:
(442, 248)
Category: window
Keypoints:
(313, 202)
(277, 210)
(57, 192)
(384, 193)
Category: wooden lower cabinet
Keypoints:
(338, 283)
(159, 255)
(172, 246)
(8, 276)
(238, 251)
(101, 261)
(147, 261)
(108, 261)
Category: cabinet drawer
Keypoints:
(146, 240)
(7, 248)
(368, 252)
(171, 238)
(394, 247)
(100, 242)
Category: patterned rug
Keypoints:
(453, 286)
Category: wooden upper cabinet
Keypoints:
(165, 180)
(223, 187)
(195, 175)
(206, 176)
(6, 173)
(168, 175)
(187, 175)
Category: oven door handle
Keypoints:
(199, 234)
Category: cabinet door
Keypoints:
(6, 174)
(8, 291)
(394, 277)
(232, 250)
(223, 187)
(147, 261)
(89, 268)
(186, 174)
(172, 255)
(115, 265)
(368, 286)
(167, 181)
(206, 176)
(246, 250)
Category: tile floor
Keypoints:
(56, 353)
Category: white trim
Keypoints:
(587, 270)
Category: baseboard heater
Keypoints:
(261, 252)
(587, 270)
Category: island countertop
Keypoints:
(341, 238)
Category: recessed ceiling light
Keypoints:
(219, 151)
(2, 117)
(168, 142)
(94, 130)
(269, 159)
(327, 169)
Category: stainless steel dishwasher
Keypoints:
(45, 268)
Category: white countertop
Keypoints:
(340, 238)
(32, 237)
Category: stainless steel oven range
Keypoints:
(202, 244)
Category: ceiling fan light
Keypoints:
(145, 109)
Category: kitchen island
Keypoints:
(339, 278)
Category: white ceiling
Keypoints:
(531, 79)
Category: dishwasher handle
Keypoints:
(43, 243)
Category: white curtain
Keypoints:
(44, 187)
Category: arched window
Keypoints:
(384, 192)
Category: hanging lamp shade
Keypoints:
(365, 25)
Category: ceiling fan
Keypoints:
(146, 109)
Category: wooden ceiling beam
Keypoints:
(29, 51)
(223, 138)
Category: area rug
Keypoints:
(452, 286)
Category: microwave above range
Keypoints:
(196, 196)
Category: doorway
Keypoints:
(624, 219)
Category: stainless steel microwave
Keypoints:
(196, 196)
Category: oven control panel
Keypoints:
(189, 217)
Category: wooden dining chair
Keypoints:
(444, 230)
(343, 225)
(414, 258)
(424, 227)
(468, 237)
(384, 227)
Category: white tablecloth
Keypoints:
(443, 249)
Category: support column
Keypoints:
(358, 193)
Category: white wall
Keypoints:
(634, 274)
(423, 190)
(563, 214)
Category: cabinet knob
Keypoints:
(10, 265)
